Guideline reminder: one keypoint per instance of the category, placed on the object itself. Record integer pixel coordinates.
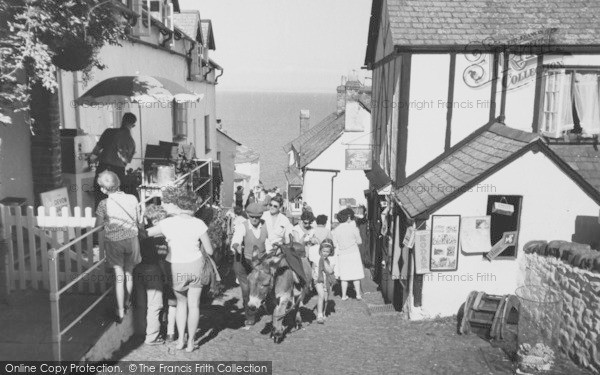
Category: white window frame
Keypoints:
(180, 121)
(550, 111)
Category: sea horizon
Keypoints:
(265, 121)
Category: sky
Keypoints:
(286, 45)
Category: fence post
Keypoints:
(54, 304)
(210, 184)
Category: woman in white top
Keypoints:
(346, 239)
(184, 233)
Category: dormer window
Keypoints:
(570, 103)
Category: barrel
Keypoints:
(491, 316)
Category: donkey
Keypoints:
(272, 273)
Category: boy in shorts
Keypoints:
(119, 213)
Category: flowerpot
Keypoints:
(73, 54)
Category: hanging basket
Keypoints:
(73, 54)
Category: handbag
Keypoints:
(142, 232)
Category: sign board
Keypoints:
(359, 159)
(58, 199)
(422, 246)
(475, 235)
(445, 231)
(508, 239)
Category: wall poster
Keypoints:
(475, 235)
(422, 248)
(445, 232)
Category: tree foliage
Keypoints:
(36, 35)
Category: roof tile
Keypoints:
(466, 21)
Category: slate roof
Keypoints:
(481, 24)
(208, 39)
(294, 176)
(448, 22)
(583, 159)
(480, 155)
(303, 138)
(188, 21)
(463, 166)
(314, 146)
(309, 145)
(224, 133)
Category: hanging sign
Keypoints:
(358, 159)
(409, 237)
(508, 239)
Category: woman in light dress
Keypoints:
(346, 239)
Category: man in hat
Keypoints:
(248, 235)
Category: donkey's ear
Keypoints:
(291, 238)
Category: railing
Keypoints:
(148, 192)
(56, 291)
(53, 258)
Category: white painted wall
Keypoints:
(551, 202)
(252, 170)
(156, 119)
(316, 191)
(427, 109)
(471, 107)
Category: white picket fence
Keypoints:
(29, 237)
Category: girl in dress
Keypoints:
(322, 266)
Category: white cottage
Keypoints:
(163, 42)
(476, 103)
(333, 154)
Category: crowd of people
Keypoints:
(167, 261)
(330, 255)
(171, 263)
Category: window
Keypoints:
(139, 29)
(219, 155)
(207, 145)
(570, 102)
(180, 121)
(504, 223)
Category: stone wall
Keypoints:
(572, 270)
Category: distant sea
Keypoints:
(266, 121)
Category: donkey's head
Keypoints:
(261, 279)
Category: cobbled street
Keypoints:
(350, 342)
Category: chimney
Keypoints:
(304, 120)
(341, 96)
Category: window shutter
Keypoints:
(139, 29)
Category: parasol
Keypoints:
(137, 89)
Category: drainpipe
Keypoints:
(190, 60)
(336, 171)
(61, 103)
(75, 96)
